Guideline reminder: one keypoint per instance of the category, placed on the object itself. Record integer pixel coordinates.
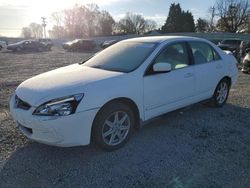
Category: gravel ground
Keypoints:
(198, 146)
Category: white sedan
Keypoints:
(115, 91)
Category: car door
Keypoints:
(167, 91)
(35, 45)
(26, 45)
(208, 68)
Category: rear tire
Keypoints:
(113, 125)
(221, 93)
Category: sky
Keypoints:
(15, 14)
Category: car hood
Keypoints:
(13, 45)
(61, 82)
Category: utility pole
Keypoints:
(44, 26)
(211, 24)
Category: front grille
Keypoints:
(19, 103)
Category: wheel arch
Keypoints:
(126, 101)
(228, 78)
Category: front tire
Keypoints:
(113, 126)
(18, 49)
(221, 93)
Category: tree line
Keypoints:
(88, 20)
(225, 16)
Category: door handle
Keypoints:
(188, 75)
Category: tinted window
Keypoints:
(122, 56)
(202, 52)
(175, 54)
(231, 42)
(216, 55)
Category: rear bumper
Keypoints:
(64, 131)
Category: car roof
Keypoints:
(160, 39)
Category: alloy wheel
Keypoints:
(222, 92)
(116, 128)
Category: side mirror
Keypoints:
(162, 67)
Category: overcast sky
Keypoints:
(15, 14)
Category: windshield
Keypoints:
(122, 57)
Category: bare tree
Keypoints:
(26, 32)
(133, 24)
(150, 25)
(36, 30)
(81, 21)
(106, 23)
(246, 29)
(232, 14)
(76, 21)
(57, 32)
(57, 18)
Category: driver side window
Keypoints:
(176, 55)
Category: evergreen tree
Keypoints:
(187, 22)
(178, 20)
(173, 22)
(201, 25)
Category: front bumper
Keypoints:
(245, 69)
(246, 66)
(64, 131)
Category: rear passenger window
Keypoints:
(202, 52)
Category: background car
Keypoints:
(108, 43)
(47, 42)
(27, 45)
(2, 45)
(79, 45)
(246, 62)
(244, 46)
(232, 45)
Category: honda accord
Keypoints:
(118, 89)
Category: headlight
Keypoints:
(59, 107)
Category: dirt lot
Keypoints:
(198, 146)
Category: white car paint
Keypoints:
(153, 94)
